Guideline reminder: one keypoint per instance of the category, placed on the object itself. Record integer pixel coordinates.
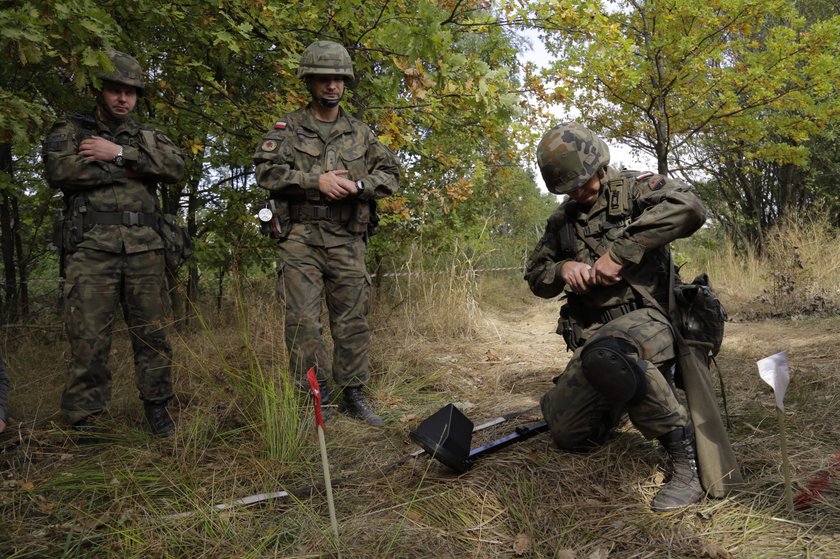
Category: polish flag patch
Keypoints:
(279, 125)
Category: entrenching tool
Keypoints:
(447, 434)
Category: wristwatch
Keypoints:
(118, 159)
(360, 186)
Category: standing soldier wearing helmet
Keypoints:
(324, 169)
(108, 168)
(614, 229)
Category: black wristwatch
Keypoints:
(118, 159)
(360, 187)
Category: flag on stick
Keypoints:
(319, 425)
(774, 371)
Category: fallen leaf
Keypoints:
(715, 551)
(600, 553)
(565, 554)
(521, 545)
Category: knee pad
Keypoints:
(610, 370)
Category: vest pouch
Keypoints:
(177, 244)
(569, 328)
(275, 218)
(359, 218)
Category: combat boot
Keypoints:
(326, 408)
(355, 405)
(89, 432)
(683, 488)
(158, 417)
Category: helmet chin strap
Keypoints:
(328, 103)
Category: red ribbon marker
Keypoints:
(817, 485)
(319, 426)
(316, 396)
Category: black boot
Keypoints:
(683, 488)
(158, 417)
(326, 408)
(355, 405)
(89, 432)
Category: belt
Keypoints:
(614, 312)
(121, 218)
(311, 212)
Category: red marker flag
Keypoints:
(316, 396)
(319, 426)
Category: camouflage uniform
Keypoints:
(634, 218)
(113, 255)
(324, 247)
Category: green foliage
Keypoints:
(733, 90)
(437, 82)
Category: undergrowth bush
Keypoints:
(798, 273)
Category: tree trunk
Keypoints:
(7, 244)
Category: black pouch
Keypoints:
(700, 314)
(73, 230)
(569, 328)
(360, 218)
(275, 218)
(177, 244)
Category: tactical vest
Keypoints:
(619, 212)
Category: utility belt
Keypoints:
(310, 212)
(78, 218)
(614, 312)
(277, 216)
(131, 219)
(575, 318)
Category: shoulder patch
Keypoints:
(56, 142)
(657, 182)
(644, 176)
(279, 125)
(268, 145)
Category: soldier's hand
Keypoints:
(97, 148)
(335, 186)
(576, 275)
(606, 271)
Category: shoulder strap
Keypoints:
(567, 233)
(149, 137)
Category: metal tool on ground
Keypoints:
(319, 425)
(447, 435)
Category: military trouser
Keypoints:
(307, 272)
(580, 417)
(96, 283)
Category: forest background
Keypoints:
(737, 97)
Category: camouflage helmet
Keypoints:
(126, 71)
(325, 58)
(569, 155)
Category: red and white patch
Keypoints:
(644, 176)
(280, 125)
(269, 145)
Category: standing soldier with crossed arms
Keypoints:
(108, 168)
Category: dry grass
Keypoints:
(482, 342)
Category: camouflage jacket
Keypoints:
(634, 218)
(149, 158)
(293, 154)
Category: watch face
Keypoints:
(265, 215)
